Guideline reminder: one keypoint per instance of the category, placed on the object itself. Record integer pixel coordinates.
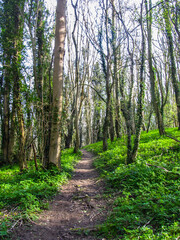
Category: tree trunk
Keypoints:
(12, 134)
(5, 125)
(68, 137)
(17, 83)
(39, 90)
(47, 120)
(55, 140)
(77, 143)
(88, 118)
(117, 108)
(140, 96)
(155, 100)
(111, 127)
(12, 47)
(175, 82)
(80, 131)
(149, 119)
(106, 70)
(129, 113)
(105, 131)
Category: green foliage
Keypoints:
(22, 195)
(146, 205)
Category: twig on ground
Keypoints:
(175, 139)
(150, 165)
(31, 220)
(148, 222)
(14, 225)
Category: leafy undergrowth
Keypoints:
(146, 193)
(23, 195)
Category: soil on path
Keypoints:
(79, 205)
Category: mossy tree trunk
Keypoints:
(115, 77)
(18, 45)
(77, 140)
(105, 62)
(153, 83)
(175, 82)
(126, 101)
(7, 37)
(12, 45)
(140, 96)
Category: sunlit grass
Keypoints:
(22, 195)
(147, 202)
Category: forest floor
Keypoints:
(76, 210)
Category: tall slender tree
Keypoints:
(77, 143)
(175, 82)
(154, 90)
(60, 34)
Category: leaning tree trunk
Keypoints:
(55, 140)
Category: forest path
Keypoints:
(80, 204)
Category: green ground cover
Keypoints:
(145, 194)
(23, 195)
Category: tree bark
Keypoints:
(55, 140)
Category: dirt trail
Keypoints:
(78, 205)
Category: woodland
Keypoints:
(100, 75)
